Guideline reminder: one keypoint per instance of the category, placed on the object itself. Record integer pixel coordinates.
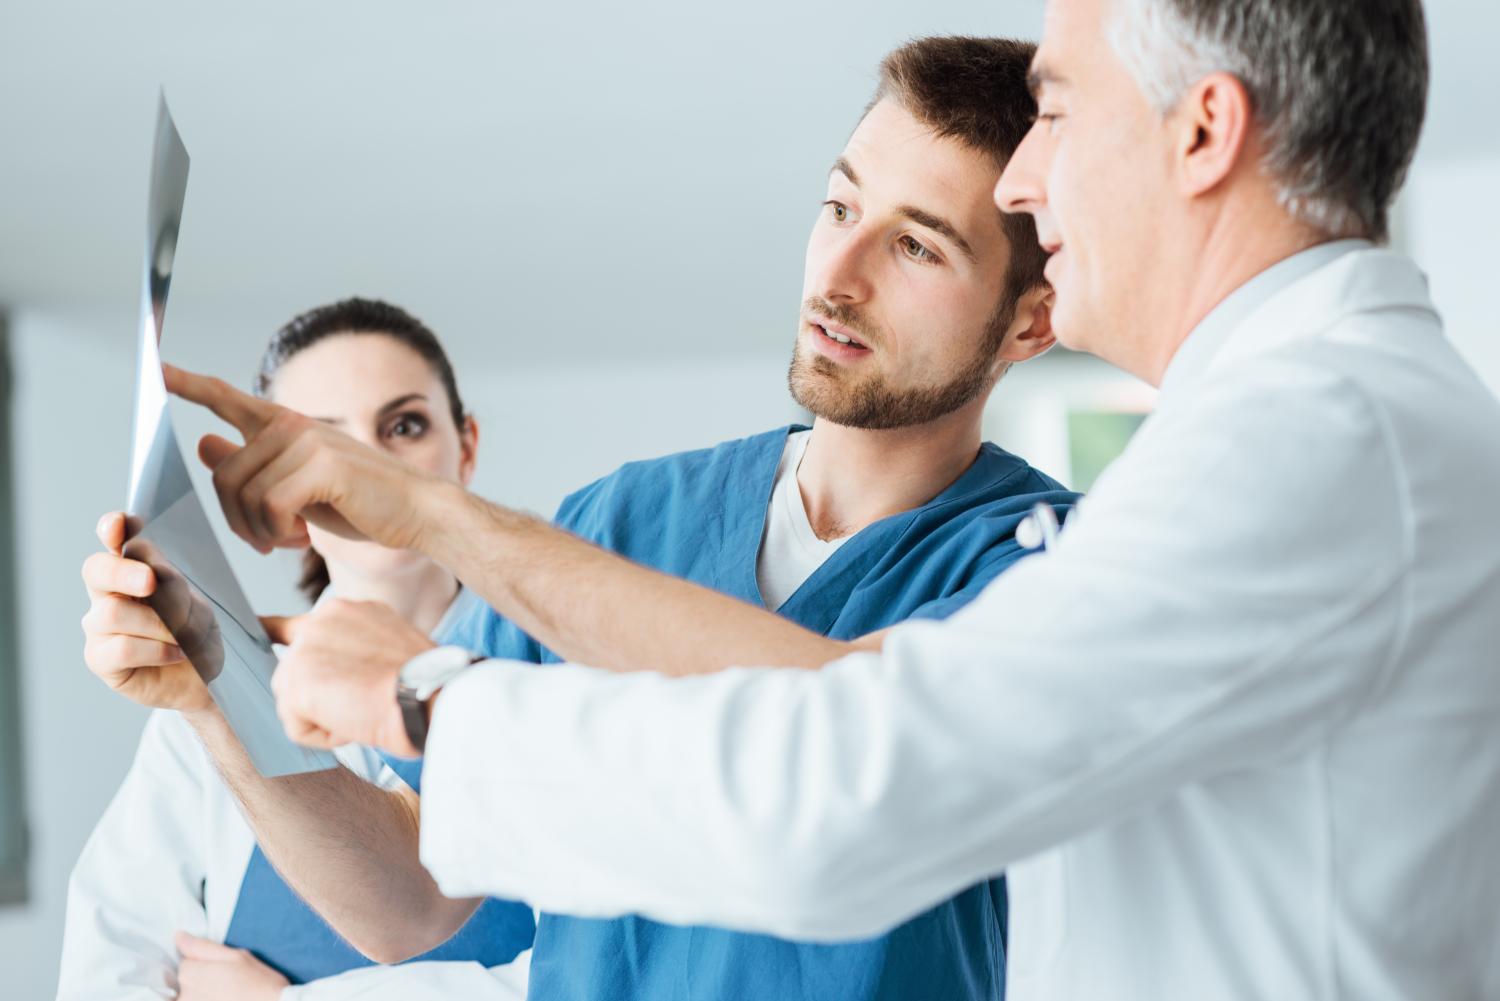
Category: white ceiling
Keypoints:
(542, 181)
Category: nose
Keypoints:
(366, 436)
(1022, 186)
(840, 267)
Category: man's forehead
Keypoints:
(892, 147)
(1069, 28)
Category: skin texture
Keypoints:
(296, 479)
(1152, 221)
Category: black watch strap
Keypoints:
(413, 717)
(414, 708)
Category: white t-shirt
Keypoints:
(790, 551)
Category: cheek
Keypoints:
(438, 455)
(933, 319)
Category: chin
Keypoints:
(369, 560)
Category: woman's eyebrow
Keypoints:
(395, 404)
(400, 401)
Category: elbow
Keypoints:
(814, 892)
(384, 948)
(396, 941)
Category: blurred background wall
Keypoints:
(602, 209)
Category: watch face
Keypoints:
(427, 672)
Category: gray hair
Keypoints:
(1339, 88)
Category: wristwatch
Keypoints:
(422, 676)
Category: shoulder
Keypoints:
(1007, 469)
(683, 475)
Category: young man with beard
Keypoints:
(918, 295)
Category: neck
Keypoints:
(420, 595)
(1237, 247)
(851, 478)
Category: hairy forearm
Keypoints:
(594, 607)
(349, 848)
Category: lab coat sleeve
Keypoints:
(420, 982)
(1222, 599)
(140, 877)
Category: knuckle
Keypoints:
(113, 649)
(110, 614)
(292, 424)
(95, 568)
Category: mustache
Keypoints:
(844, 316)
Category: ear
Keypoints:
(468, 443)
(1030, 332)
(1213, 123)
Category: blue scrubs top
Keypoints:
(701, 515)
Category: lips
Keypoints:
(836, 333)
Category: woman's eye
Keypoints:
(1049, 120)
(408, 426)
(916, 251)
(838, 211)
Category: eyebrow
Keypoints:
(921, 217)
(395, 404)
(938, 225)
(1041, 76)
(842, 166)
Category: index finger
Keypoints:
(244, 411)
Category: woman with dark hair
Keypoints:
(171, 896)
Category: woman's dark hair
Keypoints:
(353, 316)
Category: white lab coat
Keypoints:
(169, 854)
(1237, 736)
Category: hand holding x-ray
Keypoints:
(196, 593)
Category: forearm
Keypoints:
(594, 607)
(348, 847)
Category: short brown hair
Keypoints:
(973, 90)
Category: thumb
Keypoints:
(193, 947)
(111, 532)
(281, 628)
(213, 450)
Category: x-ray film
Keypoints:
(197, 594)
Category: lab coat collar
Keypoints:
(1296, 297)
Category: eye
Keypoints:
(411, 425)
(1048, 120)
(838, 211)
(917, 252)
